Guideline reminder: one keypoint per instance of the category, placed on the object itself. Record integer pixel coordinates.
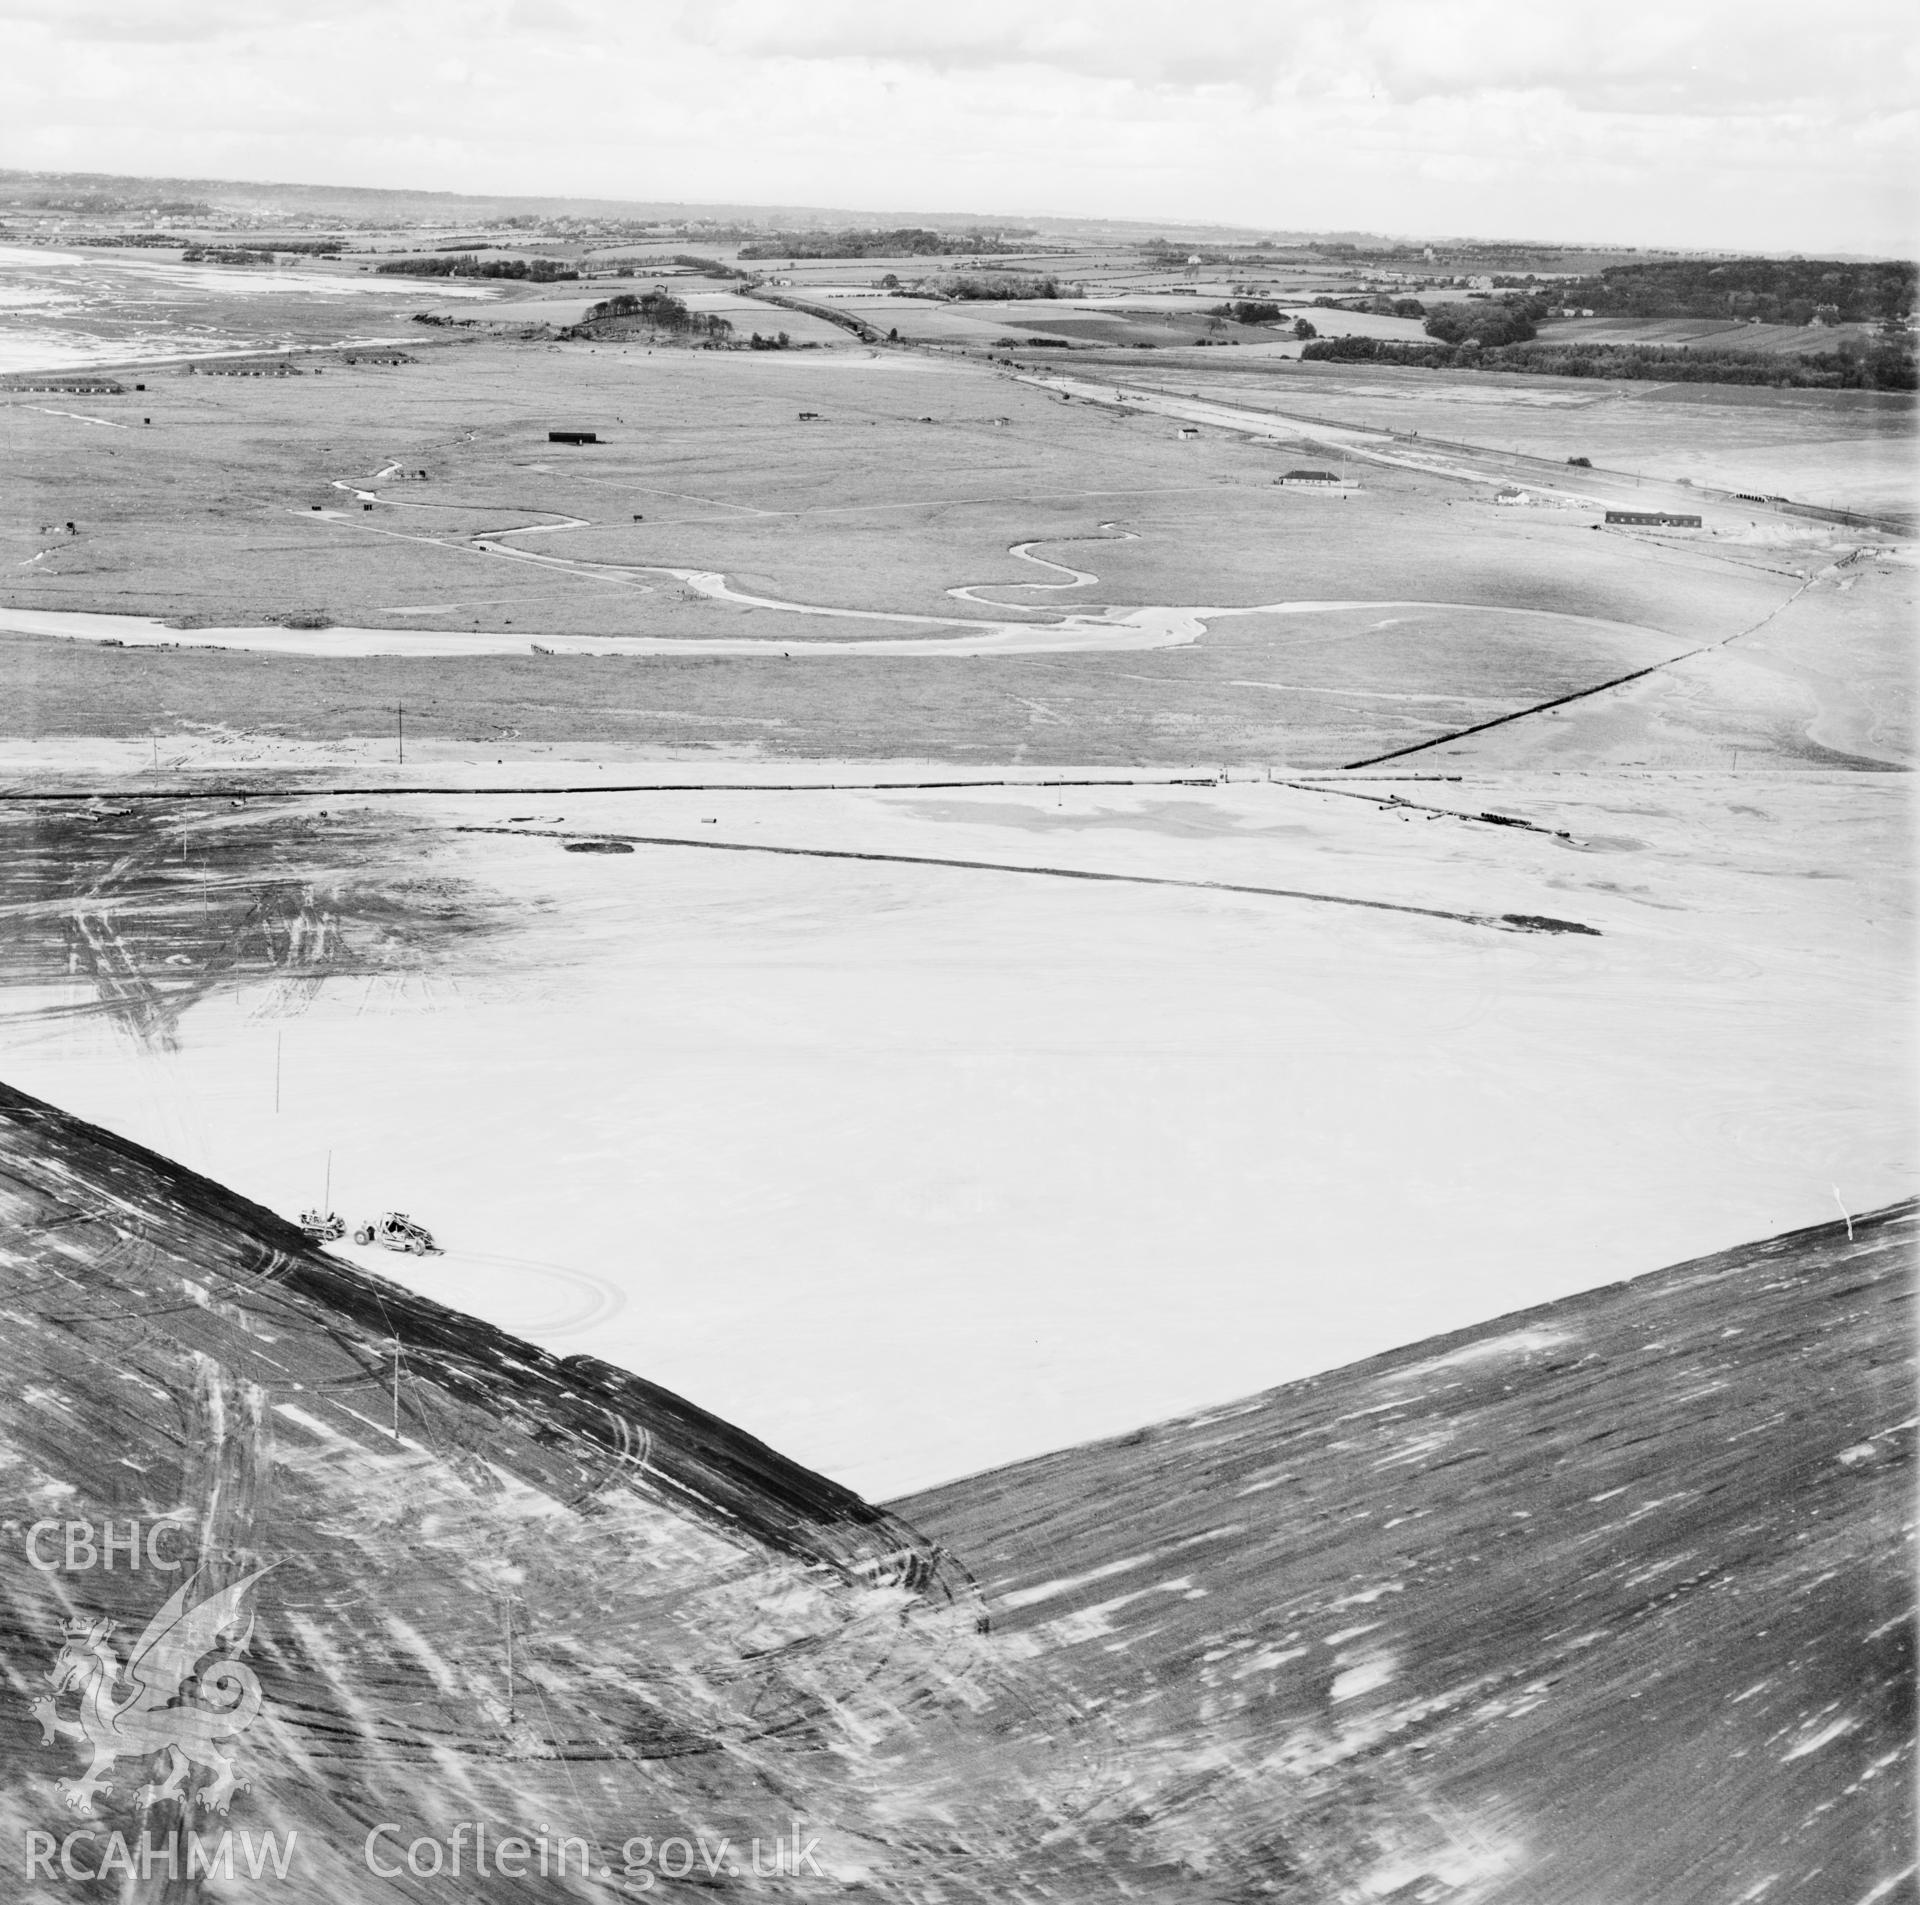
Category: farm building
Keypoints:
(1312, 477)
(1652, 519)
(572, 436)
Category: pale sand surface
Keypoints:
(851, 1152)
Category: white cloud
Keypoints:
(1694, 121)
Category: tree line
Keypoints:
(1883, 364)
(224, 255)
(466, 265)
(904, 241)
(712, 267)
(1266, 311)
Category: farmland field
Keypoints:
(1846, 450)
(1720, 334)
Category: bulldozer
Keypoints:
(323, 1226)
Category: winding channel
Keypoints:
(1094, 629)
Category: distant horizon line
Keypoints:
(758, 210)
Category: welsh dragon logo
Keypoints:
(162, 1701)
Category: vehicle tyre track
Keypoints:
(1497, 922)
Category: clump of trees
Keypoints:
(224, 255)
(466, 265)
(1505, 321)
(1000, 284)
(658, 311)
(1249, 311)
(1259, 311)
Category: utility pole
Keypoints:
(400, 717)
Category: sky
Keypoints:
(1731, 124)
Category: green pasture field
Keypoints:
(207, 514)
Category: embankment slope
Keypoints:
(1619, 1587)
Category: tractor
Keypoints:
(395, 1230)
